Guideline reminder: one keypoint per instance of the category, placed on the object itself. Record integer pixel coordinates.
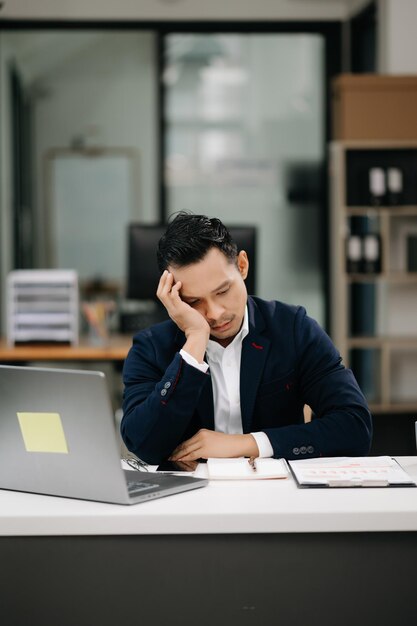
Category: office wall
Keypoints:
(397, 49)
(178, 9)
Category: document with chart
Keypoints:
(378, 471)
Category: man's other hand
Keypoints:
(208, 443)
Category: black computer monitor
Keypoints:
(143, 273)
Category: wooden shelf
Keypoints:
(403, 343)
(398, 278)
(396, 291)
(373, 211)
(396, 407)
(376, 144)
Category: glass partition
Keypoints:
(244, 120)
(81, 135)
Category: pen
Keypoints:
(251, 461)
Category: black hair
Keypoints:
(189, 237)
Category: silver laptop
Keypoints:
(58, 437)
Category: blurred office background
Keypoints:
(89, 108)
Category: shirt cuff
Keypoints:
(203, 367)
(263, 443)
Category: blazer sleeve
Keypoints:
(342, 424)
(159, 399)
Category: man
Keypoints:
(229, 374)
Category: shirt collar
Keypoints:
(215, 350)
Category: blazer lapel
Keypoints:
(255, 348)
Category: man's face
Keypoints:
(215, 288)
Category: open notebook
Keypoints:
(244, 468)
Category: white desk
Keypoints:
(268, 506)
(254, 552)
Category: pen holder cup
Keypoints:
(98, 315)
(98, 335)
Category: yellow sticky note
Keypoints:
(43, 432)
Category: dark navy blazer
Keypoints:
(287, 361)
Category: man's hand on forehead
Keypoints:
(190, 321)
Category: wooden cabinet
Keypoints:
(374, 313)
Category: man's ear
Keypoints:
(243, 264)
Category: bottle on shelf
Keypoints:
(354, 254)
(377, 186)
(395, 185)
(371, 253)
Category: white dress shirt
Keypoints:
(224, 366)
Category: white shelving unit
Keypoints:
(42, 306)
(391, 349)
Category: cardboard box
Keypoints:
(373, 106)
